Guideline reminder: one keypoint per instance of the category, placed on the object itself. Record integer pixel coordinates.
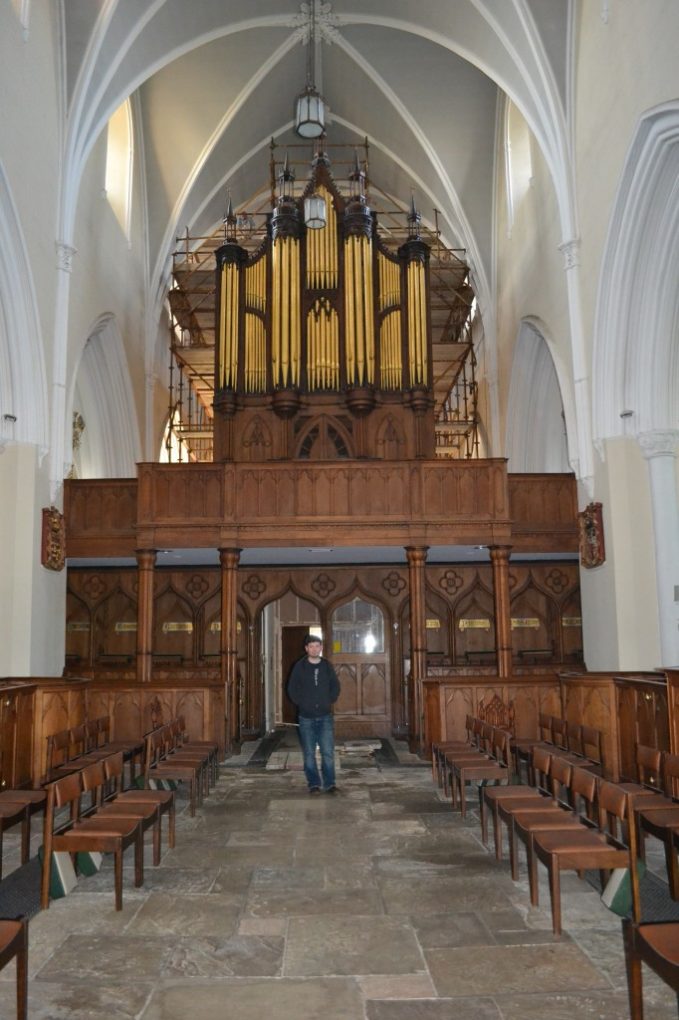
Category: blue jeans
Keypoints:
(321, 732)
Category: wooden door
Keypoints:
(292, 649)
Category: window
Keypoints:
(357, 626)
(518, 160)
(119, 155)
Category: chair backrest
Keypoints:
(486, 735)
(560, 775)
(114, 771)
(77, 740)
(575, 744)
(545, 727)
(648, 761)
(496, 712)
(613, 808)
(62, 792)
(541, 760)
(93, 778)
(92, 731)
(58, 745)
(670, 774)
(560, 732)
(584, 793)
(500, 746)
(592, 744)
(104, 722)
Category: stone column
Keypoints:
(499, 558)
(228, 559)
(146, 561)
(417, 558)
(660, 448)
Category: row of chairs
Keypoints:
(69, 749)
(103, 817)
(573, 820)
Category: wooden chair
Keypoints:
(14, 945)
(102, 835)
(582, 849)
(34, 802)
(133, 749)
(210, 747)
(12, 814)
(497, 769)
(481, 750)
(574, 793)
(94, 781)
(656, 944)
(658, 816)
(491, 797)
(438, 750)
(163, 800)
(592, 745)
(58, 755)
(522, 747)
(158, 766)
(174, 751)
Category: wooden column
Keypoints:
(228, 559)
(499, 558)
(417, 558)
(146, 561)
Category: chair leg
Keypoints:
(139, 859)
(22, 976)
(25, 836)
(513, 851)
(483, 812)
(533, 880)
(156, 842)
(555, 895)
(461, 789)
(497, 831)
(118, 877)
(672, 868)
(170, 819)
(634, 978)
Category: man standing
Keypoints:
(314, 688)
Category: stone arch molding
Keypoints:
(23, 387)
(102, 394)
(636, 341)
(537, 416)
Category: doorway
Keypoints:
(292, 648)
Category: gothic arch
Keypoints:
(536, 418)
(635, 359)
(23, 389)
(102, 395)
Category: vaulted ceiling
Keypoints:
(214, 80)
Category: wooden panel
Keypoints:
(374, 694)
(543, 508)
(16, 734)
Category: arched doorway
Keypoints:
(359, 651)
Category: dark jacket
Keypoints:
(313, 687)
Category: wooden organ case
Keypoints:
(323, 335)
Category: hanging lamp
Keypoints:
(309, 105)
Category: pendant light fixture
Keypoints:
(309, 105)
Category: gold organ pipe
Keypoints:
(411, 324)
(222, 327)
(295, 324)
(276, 312)
(335, 349)
(357, 288)
(369, 308)
(350, 334)
(422, 309)
(285, 312)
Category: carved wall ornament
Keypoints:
(513, 580)
(94, 587)
(323, 585)
(591, 534)
(556, 581)
(451, 582)
(65, 253)
(571, 253)
(257, 434)
(254, 587)
(197, 586)
(393, 584)
(53, 548)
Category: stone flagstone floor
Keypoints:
(375, 904)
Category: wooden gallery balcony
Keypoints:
(348, 503)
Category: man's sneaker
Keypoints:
(331, 789)
(314, 789)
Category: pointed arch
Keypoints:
(636, 340)
(23, 386)
(536, 430)
(102, 395)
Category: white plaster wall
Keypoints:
(620, 618)
(32, 599)
(30, 142)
